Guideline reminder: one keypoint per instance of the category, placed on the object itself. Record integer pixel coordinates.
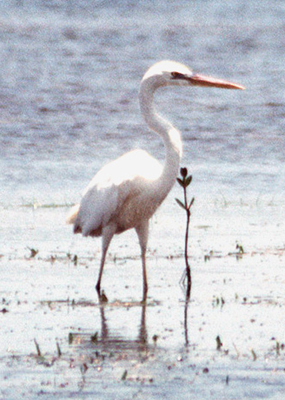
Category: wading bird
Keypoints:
(125, 193)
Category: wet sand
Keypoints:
(60, 343)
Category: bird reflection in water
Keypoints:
(109, 342)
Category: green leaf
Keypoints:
(191, 202)
(180, 204)
(181, 182)
(188, 180)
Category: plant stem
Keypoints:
(185, 182)
(188, 270)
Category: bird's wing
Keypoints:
(111, 186)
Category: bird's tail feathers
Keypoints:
(72, 214)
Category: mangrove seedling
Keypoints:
(184, 182)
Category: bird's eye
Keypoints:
(177, 75)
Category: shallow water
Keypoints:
(126, 350)
(69, 78)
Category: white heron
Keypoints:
(126, 192)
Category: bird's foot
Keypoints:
(144, 299)
(102, 297)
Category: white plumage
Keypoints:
(125, 193)
(115, 191)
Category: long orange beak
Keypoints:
(202, 80)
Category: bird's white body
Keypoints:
(125, 193)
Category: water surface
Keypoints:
(69, 79)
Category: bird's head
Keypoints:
(172, 73)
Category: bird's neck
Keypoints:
(169, 134)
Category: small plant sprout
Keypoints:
(239, 248)
(94, 338)
(218, 301)
(74, 258)
(70, 338)
(253, 355)
(184, 182)
(219, 343)
(154, 338)
(83, 369)
(38, 348)
(59, 353)
(277, 348)
(33, 253)
(124, 376)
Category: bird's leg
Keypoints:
(98, 284)
(107, 234)
(142, 232)
(145, 286)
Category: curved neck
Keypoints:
(169, 134)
